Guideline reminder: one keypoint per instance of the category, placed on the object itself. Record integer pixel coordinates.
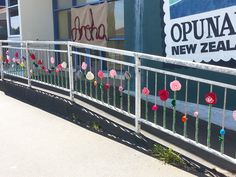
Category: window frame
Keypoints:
(8, 19)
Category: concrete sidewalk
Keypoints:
(35, 143)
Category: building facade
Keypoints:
(184, 29)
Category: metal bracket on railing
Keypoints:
(71, 72)
(28, 64)
(137, 93)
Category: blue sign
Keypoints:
(182, 8)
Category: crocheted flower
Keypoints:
(175, 85)
(145, 91)
(95, 83)
(100, 74)
(163, 94)
(32, 56)
(16, 54)
(84, 66)
(113, 73)
(57, 70)
(52, 60)
(184, 119)
(121, 89)
(155, 107)
(196, 113)
(222, 132)
(107, 86)
(90, 76)
(64, 65)
(211, 98)
(59, 67)
(43, 68)
(22, 65)
(127, 75)
(40, 62)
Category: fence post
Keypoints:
(1, 61)
(137, 93)
(71, 72)
(28, 64)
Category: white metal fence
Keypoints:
(165, 93)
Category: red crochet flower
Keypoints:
(40, 62)
(211, 98)
(163, 94)
(43, 68)
(16, 55)
(32, 56)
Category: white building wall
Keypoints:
(36, 19)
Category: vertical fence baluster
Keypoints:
(96, 78)
(128, 85)
(146, 101)
(155, 112)
(114, 87)
(121, 87)
(197, 110)
(90, 82)
(28, 65)
(164, 104)
(1, 61)
(108, 82)
(71, 71)
(174, 112)
(209, 122)
(223, 123)
(137, 93)
(186, 108)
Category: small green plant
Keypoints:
(96, 126)
(167, 155)
(75, 117)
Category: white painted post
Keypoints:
(1, 61)
(27, 64)
(137, 94)
(71, 72)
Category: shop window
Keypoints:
(3, 26)
(64, 23)
(14, 21)
(12, 2)
(116, 19)
(63, 4)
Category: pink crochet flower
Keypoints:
(100, 74)
(145, 91)
(155, 107)
(52, 60)
(196, 113)
(84, 66)
(57, 70)
(59, 67)
(175, 85)
(121, 89)
(113, 73)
